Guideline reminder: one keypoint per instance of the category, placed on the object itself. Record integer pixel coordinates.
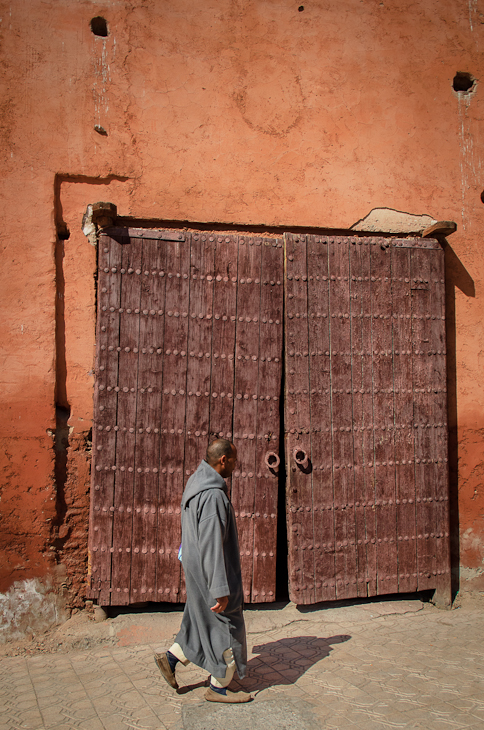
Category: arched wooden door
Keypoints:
(189, 346)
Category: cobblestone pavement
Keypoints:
(389, 664)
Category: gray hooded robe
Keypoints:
(211, 562)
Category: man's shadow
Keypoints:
(280, 662)
(285, 661)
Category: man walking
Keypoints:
(212, 633)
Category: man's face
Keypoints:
(228, 463)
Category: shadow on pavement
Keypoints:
(285, 661)
(189, 687)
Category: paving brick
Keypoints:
(359, 669)
(27, 719)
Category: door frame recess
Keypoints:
(105, 217)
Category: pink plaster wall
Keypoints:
(238, 113)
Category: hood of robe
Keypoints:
(204, 478)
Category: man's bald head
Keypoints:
(217, 449)
(222, 456)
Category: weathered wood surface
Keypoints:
(441, 228)
(105, 409)
(320, 427)
(342, 416)
(223, 338)
(430, 423)
(173, 415)
(363, 433)
(386, 528)
(299, 502)
(245, 401)
(127, 234)
(125, 457)
(257, 388)
(148, 412)
(186, 345)
(439, 448)
(269, 381)
(404, 431)
(189, 347)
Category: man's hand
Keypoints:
(221, 605)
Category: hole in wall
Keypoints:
(300, 8)
(63, 232)
(463, 82)
(99, 26)
(482, 196)
(88, 441)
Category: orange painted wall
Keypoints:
(228, 112)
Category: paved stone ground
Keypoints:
(388, 664)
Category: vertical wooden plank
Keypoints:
(126, 390)
(173, 408)
(246, 401)
(320, 398)
(422, 364)
(199, 349)
(404, 431)
(363, 444)
(342, 419)
(439, 446)
(299, 500)
(105, 410)
(148, 421)
(366, 500)
(223, 335)
(385, 501)
(268, 419)
(223, 338)
(425, 473)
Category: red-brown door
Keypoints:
(365, 417)
(189, 346)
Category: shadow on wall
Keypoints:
(456, 276)
(63, 234)
(72, 447)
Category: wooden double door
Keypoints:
(336, 342)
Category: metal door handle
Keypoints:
(301, 458)
(272, 460)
